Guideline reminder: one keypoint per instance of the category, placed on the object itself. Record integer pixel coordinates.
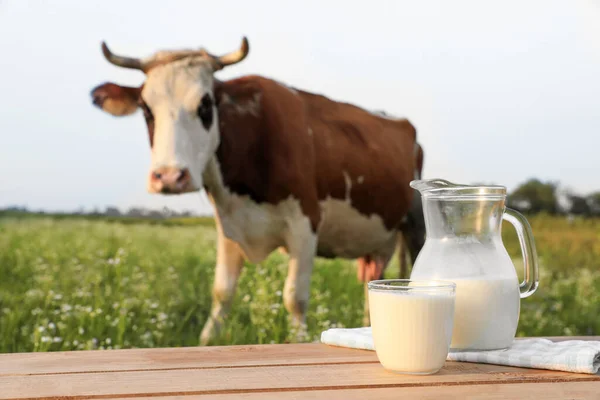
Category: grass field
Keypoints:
(68, 283)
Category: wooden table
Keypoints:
(281, 372)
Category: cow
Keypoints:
(283, 168)
(412, 237)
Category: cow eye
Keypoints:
(205, 111)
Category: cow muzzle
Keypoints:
(171, 181)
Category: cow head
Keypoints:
(178, 102)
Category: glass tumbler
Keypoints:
(412, 323)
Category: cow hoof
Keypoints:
(298, 332)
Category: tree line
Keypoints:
(535, 196)
(111, 211)
(531, 197)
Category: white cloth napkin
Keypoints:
(580, 356)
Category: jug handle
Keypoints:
(530, 261)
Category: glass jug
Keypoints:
(464, 245)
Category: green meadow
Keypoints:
(81, 283)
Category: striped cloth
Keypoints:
(572, 355)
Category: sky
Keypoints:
(499, 92)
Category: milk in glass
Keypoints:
(411, 330)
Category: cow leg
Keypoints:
(366, 312)
(369, 269)
(302, 251)
(230, 260)
(411, 237)
(403, 264)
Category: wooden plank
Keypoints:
(523, 391)
(160, 359)
(265, 379)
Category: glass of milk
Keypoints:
(412, 323)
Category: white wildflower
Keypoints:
(34, 293)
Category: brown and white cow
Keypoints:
(284, 168)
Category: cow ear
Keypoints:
(116, 100)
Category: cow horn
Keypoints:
(235, 56)
(120, 61)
